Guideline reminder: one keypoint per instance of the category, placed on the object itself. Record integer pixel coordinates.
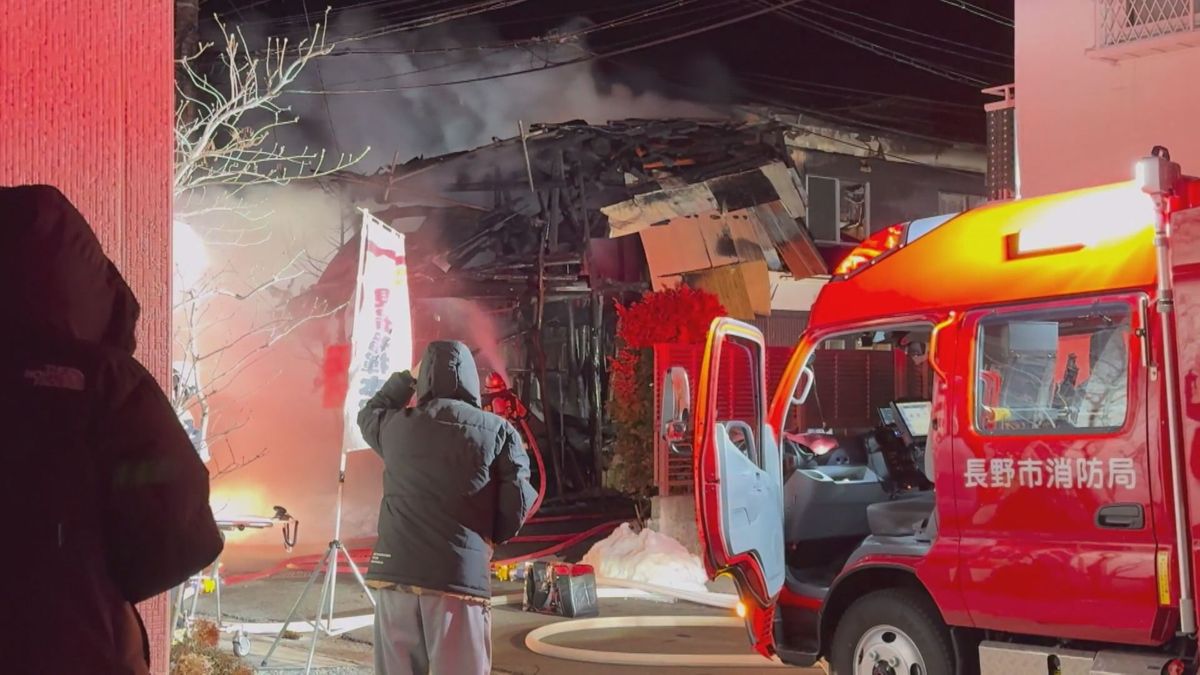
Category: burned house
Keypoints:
(522, 247)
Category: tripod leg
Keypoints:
(330, 576)
(357, 574)
(199, 586)
(333, 575)
(217, 590)
(177, 609)
(292, 614)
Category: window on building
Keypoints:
(838, 211)
(957, 202)
(1122, 21)
(1065, 372)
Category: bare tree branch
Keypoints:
(223, 133)
(225, 144)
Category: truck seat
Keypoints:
(900, 517)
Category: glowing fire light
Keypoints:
(231, 503)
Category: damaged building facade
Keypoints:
(522, 248)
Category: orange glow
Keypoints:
(967, 261)
(872, 247)
(741, 609)
(229, 503)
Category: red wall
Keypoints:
(86, 98)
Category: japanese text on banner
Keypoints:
(381, 337)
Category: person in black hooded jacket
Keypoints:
(456, 482)
(104, 497)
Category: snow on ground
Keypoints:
(647, 557)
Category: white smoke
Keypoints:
(402, 117)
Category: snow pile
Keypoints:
(648, 557)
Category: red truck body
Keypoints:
(1044, 453)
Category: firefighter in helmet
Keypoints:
(500, 400)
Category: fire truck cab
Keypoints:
(1021, 503)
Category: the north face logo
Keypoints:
(57, 377)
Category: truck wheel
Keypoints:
(892, 632)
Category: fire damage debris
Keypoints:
(520, 249)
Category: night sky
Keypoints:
(791, 58)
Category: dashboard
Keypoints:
(895, 449)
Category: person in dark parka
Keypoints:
(456, 482)
(104, 499)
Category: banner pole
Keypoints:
(336, 548)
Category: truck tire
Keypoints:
(891, 632)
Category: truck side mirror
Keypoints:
(677, 411)
(804, 386)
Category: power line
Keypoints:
(641, 16)
(778, 105)
(740, 17)
(816, 87)
(434, 19)
(900, 57)
(906, 40)
(494, 46)
(982, 12)
(1007, 57)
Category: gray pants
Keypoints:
(430, 634)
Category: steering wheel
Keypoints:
(800, 454)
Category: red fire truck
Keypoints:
(1029, 501)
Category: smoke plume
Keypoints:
(395, 112)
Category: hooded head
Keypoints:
(54, 277)
(448, 371)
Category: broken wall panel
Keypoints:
(647, 210)
(789, 238)
(743, 289)
(675, 247)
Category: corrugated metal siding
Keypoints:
(851, 385)
(782, 328)
(86, 98)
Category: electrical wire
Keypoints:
(911, 31)
(808, 86)
(783, 106)
(900, 57)
(495, 46)
(740, 17)
(980, 12)
(432, 20)
(642, 16)
(911, 41)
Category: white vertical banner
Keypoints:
(381, 334)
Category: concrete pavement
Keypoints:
(350, 654)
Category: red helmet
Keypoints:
(494, 383)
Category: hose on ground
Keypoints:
(536, 640)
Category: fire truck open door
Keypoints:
(738, 474)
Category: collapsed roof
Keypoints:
(711, 201)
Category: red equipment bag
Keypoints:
(561, 589)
